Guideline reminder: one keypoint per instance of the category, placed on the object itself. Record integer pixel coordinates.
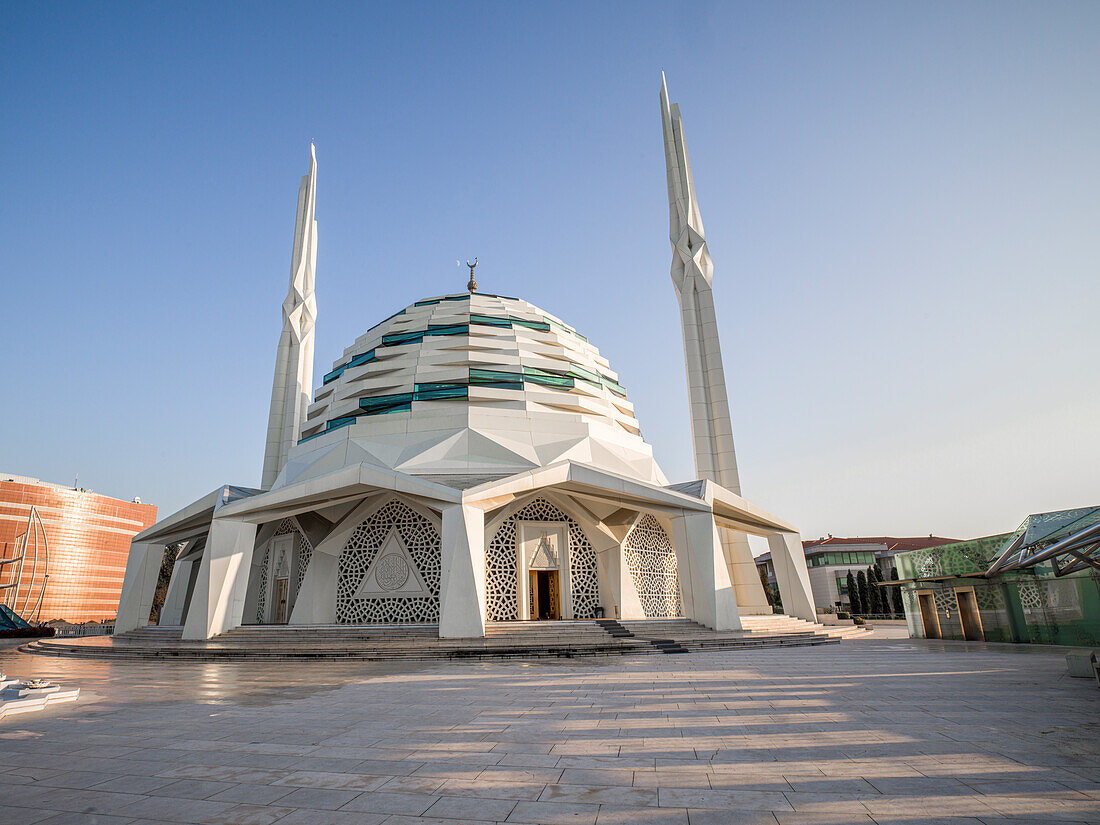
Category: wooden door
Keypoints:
(282, 586)
(928, 615)
(969, 616)
(554, 607)
(545, 595)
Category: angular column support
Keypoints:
(218, 602)
(139, 585)
(744, 574)
(462, 611)
(791, 575)
(171, 613)
(316, 602)
(705, 586)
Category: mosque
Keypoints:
(473, 459)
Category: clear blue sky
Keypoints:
(902, 202)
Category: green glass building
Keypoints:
(1039, 584)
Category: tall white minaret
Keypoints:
(692, 275)
(293, 383)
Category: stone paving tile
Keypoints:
(178, 810)
(732, 800)
(411, 784)
(252, 794)
(134, 784)
(499, 774)
(597, 776)
(447, 770)
(306, 816)
(323, 798)
(75, 779)
(899, 732)
(554, 813)
(621, 815)
(71, 818)
(492, 788)
(249, 815)
(696, 777)
(729, 817)
(600, 794)
(409, 804)
(335, 781)
(801, 818)
(460, 807)
(191, 788)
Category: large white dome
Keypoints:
(471, 386)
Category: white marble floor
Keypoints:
(871, 731)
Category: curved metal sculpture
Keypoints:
(32, 542)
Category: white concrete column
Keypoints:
(462, 610)
(139, 585)
(751, 599)
(171, 614)
(218, 602)
(316, 602)
(609, 564)
(705, 585)
(792, 576)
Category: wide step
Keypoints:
(422, 642)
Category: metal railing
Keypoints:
(86, 630)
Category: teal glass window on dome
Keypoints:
(379, 404)
(432, 392)
(337, 423)
(546, 378)
(489, 321)
(495, 379)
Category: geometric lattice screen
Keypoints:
(501, 559)
(303, 552)
(652, 562)
(420, 538)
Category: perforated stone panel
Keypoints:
(420, 538)
(500, 565)
(651, 560)
(303, 552)
(261, 599)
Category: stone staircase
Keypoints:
(780, 622)
(536, 639)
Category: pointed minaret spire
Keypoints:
(290, 392)
(692, 275)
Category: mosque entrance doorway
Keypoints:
(545, 595)
(282, 587)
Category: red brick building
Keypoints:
(87, 537)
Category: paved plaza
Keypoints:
(871, 731)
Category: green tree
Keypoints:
(874, 577)
(167, 561)
(895, 593)
(853, 595)
(864, 591)
(767, 587)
